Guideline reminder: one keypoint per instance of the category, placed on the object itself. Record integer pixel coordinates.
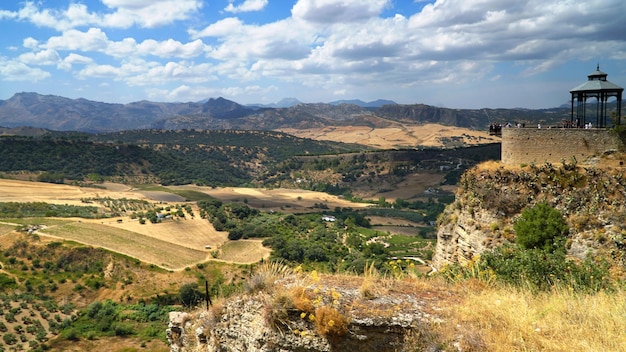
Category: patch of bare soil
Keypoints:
(396, 135)
(25, 191)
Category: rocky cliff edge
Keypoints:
(287, 311)
(491, 196)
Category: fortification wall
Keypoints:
(526, 145)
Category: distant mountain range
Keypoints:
(289, 102)
(64, 114)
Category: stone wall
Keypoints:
(526, 145)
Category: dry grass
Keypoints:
(244, 251)
(395, 135)
(330, 322)
(266, 276)
(283, 199)
(464, 316)
(5, 228)
(144, 248)
(502, 319)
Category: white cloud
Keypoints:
(30, 43)
(222, 28)
(149, 13)
(325, 45)
(335, 11)
(92, 40)
(171, 48)
(74, 16)
(187, 72)
(247, 6)
(4, 14)
(281, 40)
(144, 13)
(18, 71)
(99, 71)
(43, 57)
(73, 59)
(96, 40)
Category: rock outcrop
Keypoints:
(591, 197)
(309, 313)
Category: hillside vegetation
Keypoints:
(329, 244)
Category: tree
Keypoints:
(190, 295)
(9, 339)
(235, 234)
(541, 227)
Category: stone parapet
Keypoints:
(539, 145)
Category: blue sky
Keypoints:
(450, 53)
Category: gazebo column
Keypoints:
(619, 108)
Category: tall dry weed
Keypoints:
(266, 276)
(505, 319)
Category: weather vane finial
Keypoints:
(598, 67)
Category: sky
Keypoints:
(449, 53)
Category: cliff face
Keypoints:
(462, 235)
(490, 197)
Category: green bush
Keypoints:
(542, 270)
(9, 339)
(541, 227)
(190, 295)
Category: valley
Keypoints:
(108, 227)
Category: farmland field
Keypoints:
(172, 244)
(152, 250)
(397, 135)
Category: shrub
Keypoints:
(235, 234)
(541, 227)
(9, 339)
(71, 335)
(541, 270)
(330, 322)
(123, 329)
(190, 295)
(277, 310)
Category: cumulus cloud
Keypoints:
(338, 46)
(182, 71)
(4, 14)
(247, 6)
(148, 13)
(126, 13)
(99, 71)
(92, 40)
(73, 59)
(165, 49)
(43, 57)
(30, 43)
(18, 71)
(96, 40)
(281, 40)
(333, 11)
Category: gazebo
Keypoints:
(596, 87)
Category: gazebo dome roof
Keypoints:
(597, 85)
(597, 82)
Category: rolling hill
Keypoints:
(64, 114)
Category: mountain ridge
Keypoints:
(65, 114)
